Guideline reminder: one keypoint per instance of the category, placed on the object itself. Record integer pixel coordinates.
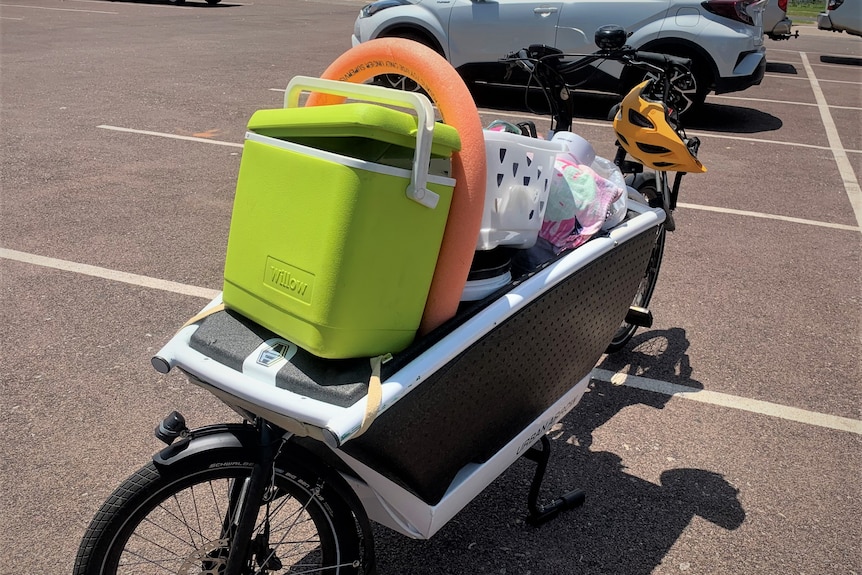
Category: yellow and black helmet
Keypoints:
(643, 130)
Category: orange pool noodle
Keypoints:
(457, 109)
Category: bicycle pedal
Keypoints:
(639, 316)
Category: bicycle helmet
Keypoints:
(643, 130)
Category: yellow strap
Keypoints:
(202, 315)
(375, 396)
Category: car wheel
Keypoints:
(396, 80)
(691, 88)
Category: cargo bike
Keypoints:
(336, 432)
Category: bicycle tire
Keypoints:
(646, 288)
(173, 517)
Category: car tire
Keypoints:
(396, 80)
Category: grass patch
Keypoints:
(805, 8)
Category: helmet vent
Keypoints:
(650, 149)
(639, 119)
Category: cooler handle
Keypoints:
(417, 189)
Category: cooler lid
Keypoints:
(349, 122)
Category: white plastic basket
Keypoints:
(516, 195)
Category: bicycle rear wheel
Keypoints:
(177, 520)
(650, 279)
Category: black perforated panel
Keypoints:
(478, 402)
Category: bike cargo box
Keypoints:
(326, 249)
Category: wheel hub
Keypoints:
(209, 559)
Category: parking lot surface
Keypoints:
(728, 443)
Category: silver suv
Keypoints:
(776, 24)
(723, 38)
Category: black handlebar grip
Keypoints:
(663, 60)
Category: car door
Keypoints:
(579, 20)
(486, 30)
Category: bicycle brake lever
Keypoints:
(520, 59)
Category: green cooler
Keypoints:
(331, 245)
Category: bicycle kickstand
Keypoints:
(539, 513)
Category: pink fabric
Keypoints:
(578, 204)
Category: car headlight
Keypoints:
(375, 7)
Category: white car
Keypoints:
(723, 38)
(842, 16)
(776, 24)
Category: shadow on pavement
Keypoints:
(187, 3)
(656, 354)
(842, 60)
(616, 531)
(732, 119)
(659, 354)
(781, 68)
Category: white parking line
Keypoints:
(835, 67)
(171, 136)
(717, 135)
(841, 82)
(817, 64)
(732, 401)
(787, 77)
(104, 273)
(653, 385)
(851, 184)
(770, 217)
(527, 115)
(780, 50)
(58, 9)
(148, 5)
(681, 204)
(784, 102)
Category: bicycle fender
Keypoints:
(209, 438)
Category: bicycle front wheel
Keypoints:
(178, 520)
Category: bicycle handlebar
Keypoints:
(548, 66)
(662, 60)
(540, 52)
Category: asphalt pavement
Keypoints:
(728, 442)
